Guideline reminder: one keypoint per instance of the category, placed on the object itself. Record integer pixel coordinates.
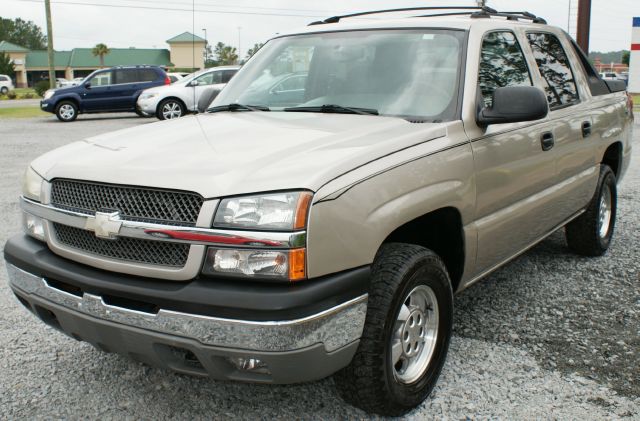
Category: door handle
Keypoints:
(586, 129)
(547, 141)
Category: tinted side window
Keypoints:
(502, 63)
(216, 77)
(227, 75)
(4, 79)
(555, 70)
(147, 75)
(125, 76)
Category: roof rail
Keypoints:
(472, 11)
(335, 19)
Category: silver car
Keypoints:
(181, 97)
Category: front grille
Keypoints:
(124, 248)
(134, 203)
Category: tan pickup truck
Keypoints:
(319, 217)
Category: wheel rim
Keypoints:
(604, 215)
(415, 334)
(67, 111)
(171, 110)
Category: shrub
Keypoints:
(29, 95)
(41, 87)
(12, 95)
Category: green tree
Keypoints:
(253, 50)
(626, 57)
(100, 50)
(23, 33)
(6, 66)
(225, 54)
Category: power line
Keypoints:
(175, 9)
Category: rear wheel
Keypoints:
(66, 111)
(170, 109)
(590, 234)
(4, 90)
(406, 334)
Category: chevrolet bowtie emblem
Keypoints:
(104, 224)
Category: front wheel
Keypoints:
(66, 111)
(170, 109)
(406, 334)
(590, 234)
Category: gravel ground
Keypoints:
(550, 335)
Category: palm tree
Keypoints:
(100, 50)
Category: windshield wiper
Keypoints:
(333, 108)
(237, 107)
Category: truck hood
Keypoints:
(227, 153)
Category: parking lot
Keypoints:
(550, 335)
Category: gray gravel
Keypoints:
(550, 335)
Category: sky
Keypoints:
(149, 23)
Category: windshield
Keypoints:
(408, 73)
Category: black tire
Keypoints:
(4, 90)
(588, 235)
(66, 111)
(370, 381)
(173, 103)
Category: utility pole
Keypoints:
(206, 47)
(584, 24)
(481, 3)
(239, 44)
(52, 69)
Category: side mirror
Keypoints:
(87, 85)
(206, 98)
(514, 104)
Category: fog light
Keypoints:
(33, 226)
(252, 365)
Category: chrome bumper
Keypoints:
(334, 328)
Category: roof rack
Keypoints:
(472, 11)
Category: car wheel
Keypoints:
(66, 111)
(4, 90)
(590, 234)
(406, 334)
(170, 109)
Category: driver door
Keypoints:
(99, 95)
(514, 166)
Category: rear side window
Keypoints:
(227, 75)
(125, 76)
(147, 75)
(502, 64)
(4, 79)
(554, 67)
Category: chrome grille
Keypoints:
(134, 203)
(124, 248)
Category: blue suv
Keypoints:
(104, 91)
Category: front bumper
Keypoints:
(148, 106)
(294, 350)
(47, 105)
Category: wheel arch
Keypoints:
(441, 231)
(612, 157)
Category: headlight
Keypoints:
(48, 94)
(272, 264)
(32, 185)
(280, 211)
(33, 226)
(148, 96)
